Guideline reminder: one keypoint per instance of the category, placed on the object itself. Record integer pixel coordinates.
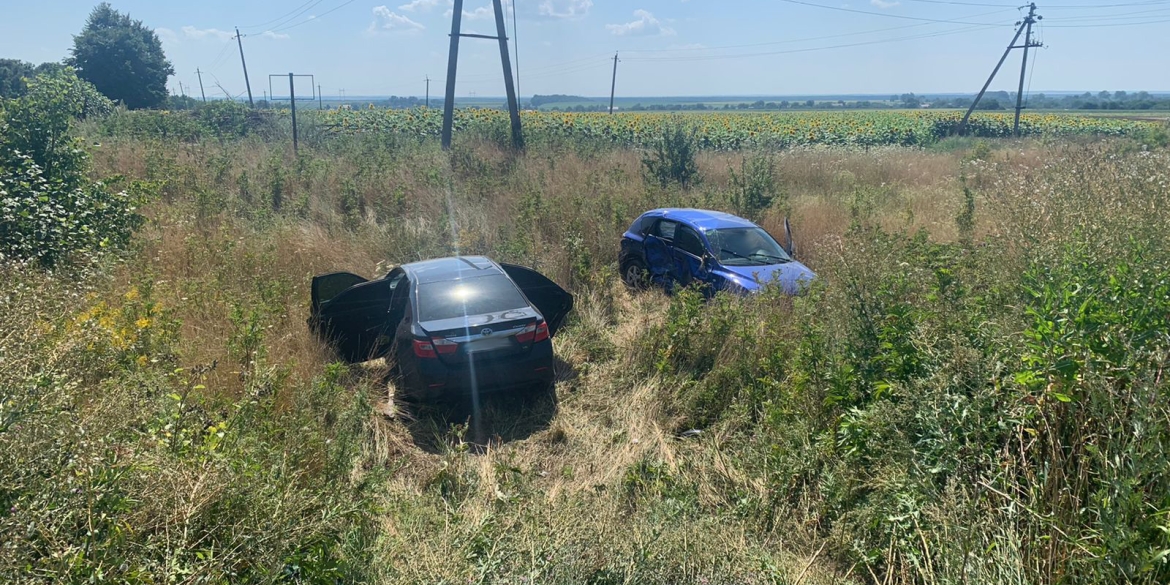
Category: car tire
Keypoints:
(635, 275)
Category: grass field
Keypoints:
(974, 392)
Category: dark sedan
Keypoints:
(452, 325)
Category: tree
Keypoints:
(12, 75)
(123, 58)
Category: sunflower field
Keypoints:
(731, 131)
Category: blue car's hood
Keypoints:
(790, 275)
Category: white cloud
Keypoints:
(167, 36)
(645, 25)
(206, 33)
(273, 35)
(387, 20)
(419, 4)
(883, 4)
(481, 13)
(565, 8)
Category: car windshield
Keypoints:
(469, 296)
(746, 247)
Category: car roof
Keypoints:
(703, 219)
(453, 268)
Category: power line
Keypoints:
(283, 21)
(886, 15)
(1108, 24)
(266, 23)
(811, 49)
(801, 40)
(319, 16)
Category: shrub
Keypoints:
(48, 208)
(671, 158)
(753, 188)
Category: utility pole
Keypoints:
(320, 100)
(505, 62)
(452, 65)
(613, 85)
(245, 65)
(200, 75)
(292, 99)
(428, 92)
(516, 47)
(1026, 24)
(509, 83)
(1031, 18)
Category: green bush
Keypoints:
(49, 209)
(671, 158)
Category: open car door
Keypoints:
(550, 299)
(354, 318)
(327, 286)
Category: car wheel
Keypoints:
(635, 275)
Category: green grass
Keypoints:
(955, 401)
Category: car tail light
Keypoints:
(424, 349)
(444, 346)
(533, 332)
(541, 332)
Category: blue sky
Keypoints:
(668, 47)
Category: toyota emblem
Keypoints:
(485, 332)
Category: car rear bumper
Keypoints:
(434, 378)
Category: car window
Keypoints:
(746, 247)
(645, 225)
(469, 296)
(688, 240)
(665, 229)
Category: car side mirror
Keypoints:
(789, 246)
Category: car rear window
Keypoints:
(469, 296)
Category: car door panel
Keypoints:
(548, 297)
(687, 266)
(328, 286)
(356, 320)
(659, 256)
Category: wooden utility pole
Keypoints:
(245, 65)
(1031, 18)
(199, 74)
(452, 66)
(613, 85)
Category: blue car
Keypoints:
(713, 250)
(451, 326)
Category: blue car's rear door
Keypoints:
(659, 255)
(688, 252)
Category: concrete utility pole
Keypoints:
(428, 92)
(613, 85)
(245, 65)
(505, 62)
(516, 47)
(509, 85)
(452, 66)
(320, 104)
(199, 74)
(1031, 18)
(1025, 24)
